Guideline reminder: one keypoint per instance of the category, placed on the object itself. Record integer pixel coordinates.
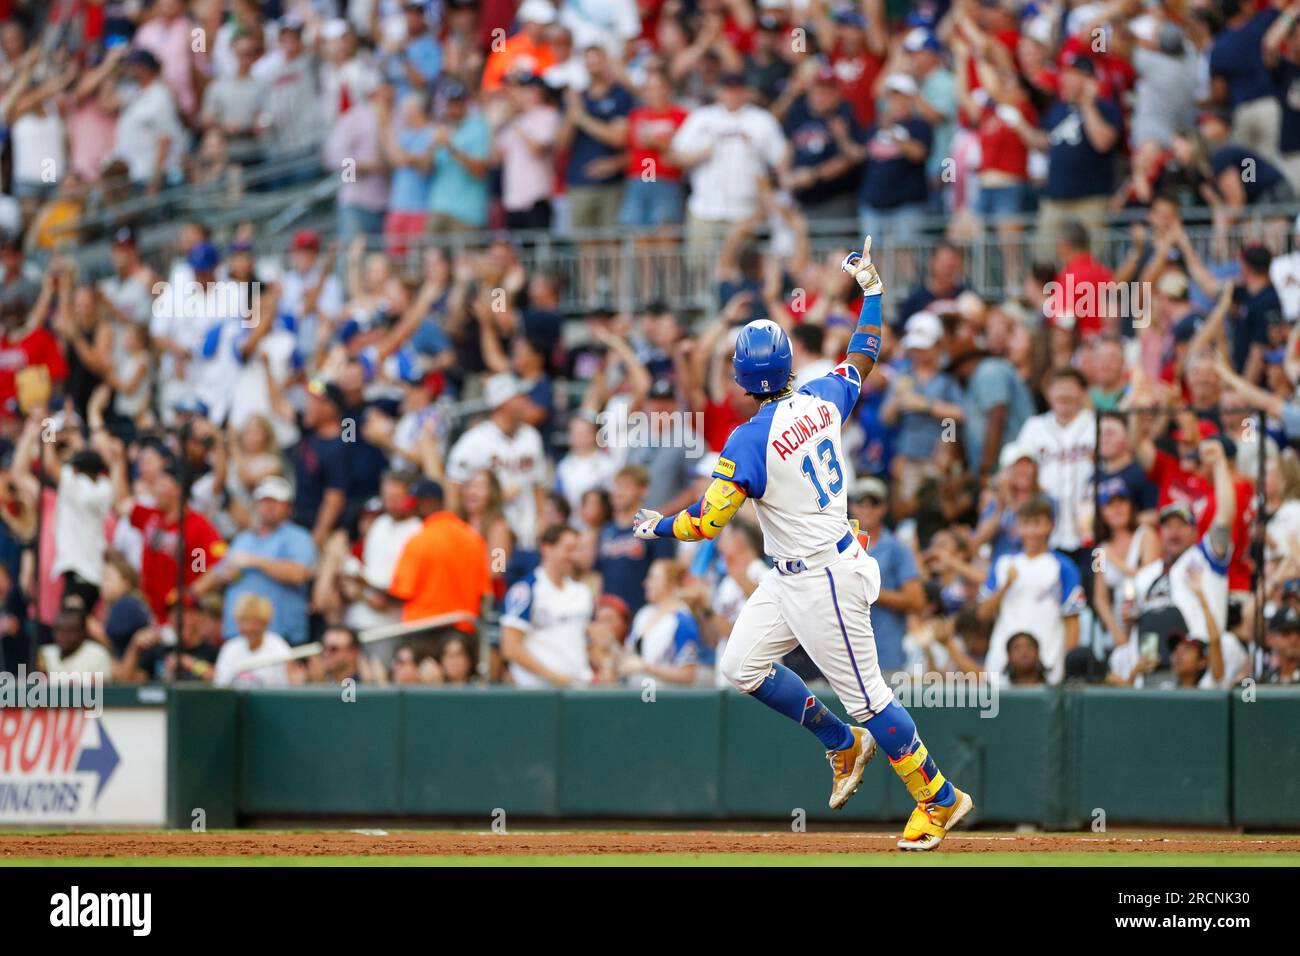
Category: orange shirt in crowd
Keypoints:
(442, 569)
(518, 48)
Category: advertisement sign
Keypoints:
(65, 766)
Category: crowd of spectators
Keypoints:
(227, 451)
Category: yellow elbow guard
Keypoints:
(719, 505)
(721, 502)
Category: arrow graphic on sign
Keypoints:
(103, 760)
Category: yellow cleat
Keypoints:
(929, 823)
(848, 766)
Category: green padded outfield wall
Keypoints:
(1050, 757)
(307, 751)
(1146, 756)
(202, 756)
(685, 754)
(1266, 758)
(469, 752)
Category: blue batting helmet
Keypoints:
(763, 358)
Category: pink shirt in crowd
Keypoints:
(170, 43)
(352, 144)
(526, 177)
(92, 132)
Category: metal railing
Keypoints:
(625, 269)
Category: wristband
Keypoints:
(664, 526)
(866, 343)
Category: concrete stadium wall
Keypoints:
(1051, 757)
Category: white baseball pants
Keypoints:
(826, 610)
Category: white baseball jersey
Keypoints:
(519, 463)
(553, 618)
(1158, 587)
(789, 461)
(1064, 456)
(664, 639)
(1046, 591)
(741, 145)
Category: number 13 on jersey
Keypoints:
(830, 466)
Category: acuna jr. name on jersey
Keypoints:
(802, 430)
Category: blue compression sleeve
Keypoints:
(786, 693)
(866, 337)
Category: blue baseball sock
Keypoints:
(895, 733)
(786, 693)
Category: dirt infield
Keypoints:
(255, 843)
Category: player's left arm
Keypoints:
(864, 345)
(704, 519)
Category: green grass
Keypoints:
(939, 858)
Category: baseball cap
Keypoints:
(455, 90)
(1170, 39)
(1039, 29)
(124, 236)
(306, 239)
(848, 17)
(869, 487)
(204, 257)
(275, 488)
(1115, 488)
(329, 391)
(922, 331)
(826, 76)
(1177, 510)
(523, 75)
(333, 29)
(732, 78)
(918, 39)
(535, 11)
(140, 57)
(500, 388)
(901, 83)
(1286, 619)
(426, 488)
(1204, 430)
(1081, 63)
(1172, 283)
(1012, 453)
(662, 388)
(189, 404)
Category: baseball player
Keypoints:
(788, 460)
